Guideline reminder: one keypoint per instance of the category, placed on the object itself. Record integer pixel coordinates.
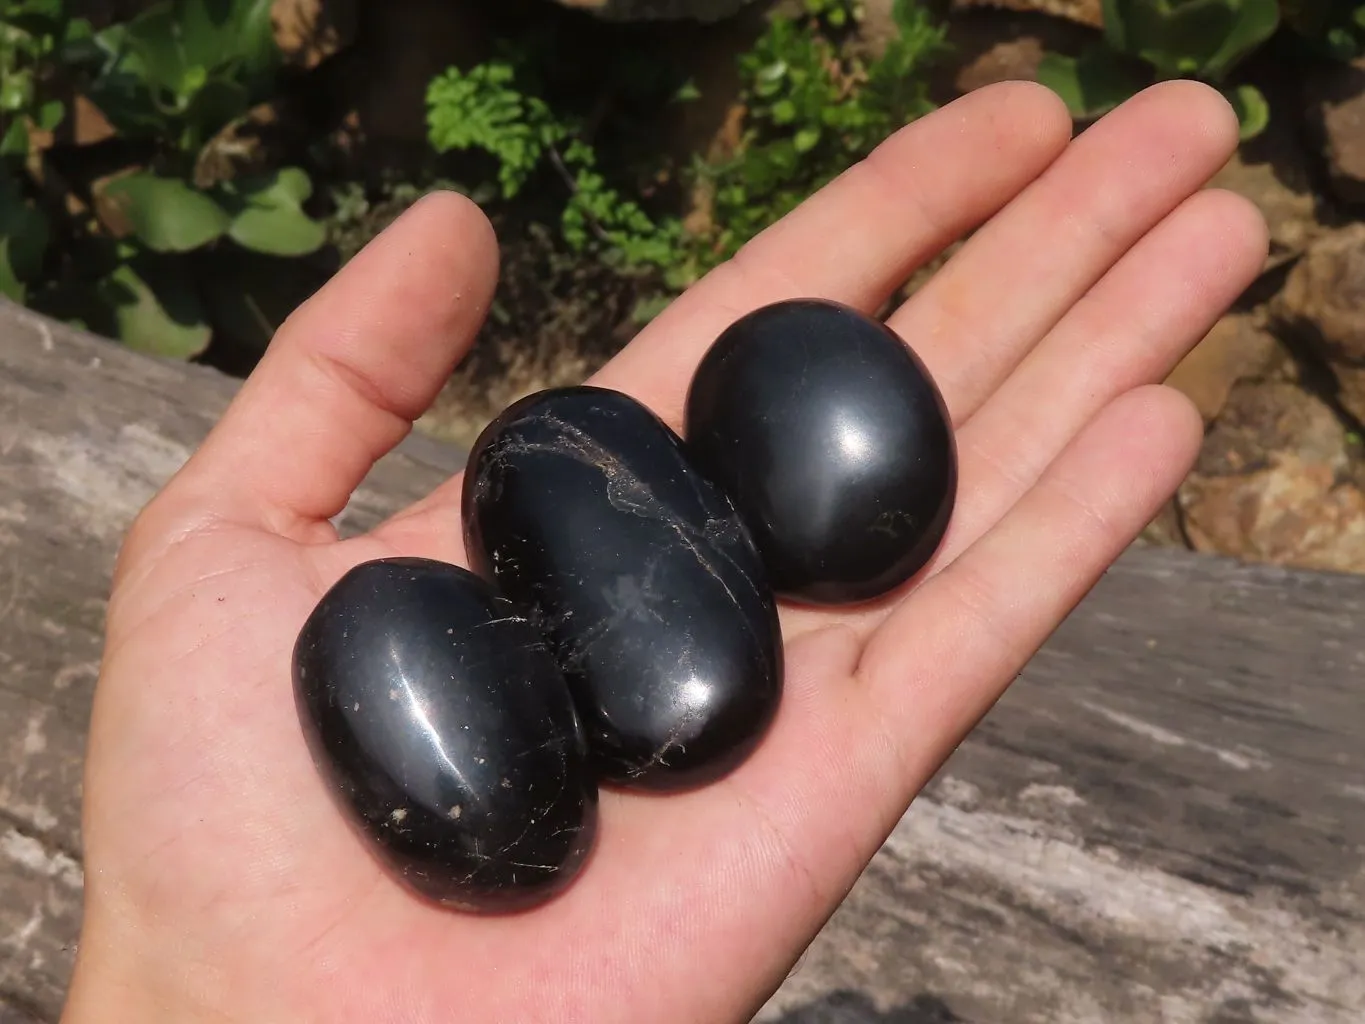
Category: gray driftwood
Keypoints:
(1163, 821)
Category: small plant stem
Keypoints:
(563, 171)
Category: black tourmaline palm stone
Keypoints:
(442, 724)
(834, 443)
(582, 506)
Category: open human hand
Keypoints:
(221, 882)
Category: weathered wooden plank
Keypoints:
(1163, 821)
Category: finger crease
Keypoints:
(356, 383)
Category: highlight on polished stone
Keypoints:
(582, 506)
(832, 439)
(446, 733)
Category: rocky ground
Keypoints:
(1281, 379)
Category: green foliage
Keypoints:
(813, 108)
(166, 214)
(485, 109)
(23, 239)
(835, 13)
(263, 214)
(1253, 112)
(152, 305)
(1181, 38)
(173, 78)
(1331, 28)
(1165, 39)
(156, 306)
(597, 211)
(183, 69)
(35, 35)
(267, 213)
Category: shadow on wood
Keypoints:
(847, 1007)
(1164, 820)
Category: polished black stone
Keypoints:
(834, 443)
(446, 731)
(581, 504)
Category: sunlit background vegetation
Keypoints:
(177, 175)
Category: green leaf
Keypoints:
(26, 236)
(155, 308)
(1062, 75)
(1253, 112)
(212, 107)
(185, 67)
(14, 142)
(687, 92)
(23, 231)
(16, 89)
(43, 11)
(11, 287)
(806, 139)
(156, 56)
(268, 214)
(77, 35)
(256, 48)
(483, 109)
(1180, 38)
(167, 214)
(229, 34)
(123, 89)
(1256, 21)
(772, 72)
(1089, 85)
(50, 115)
(180, 45)
(1116, 30)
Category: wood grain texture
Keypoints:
(1163, 821)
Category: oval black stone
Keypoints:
(442, 724)
(834, 443)
(580, 503)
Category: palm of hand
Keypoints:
(221, 880)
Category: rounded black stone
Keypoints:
(834, 443)
(580, 503)
(436, 714)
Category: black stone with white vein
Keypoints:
(582, 506)
(447, 734)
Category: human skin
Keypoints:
(222, 884)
